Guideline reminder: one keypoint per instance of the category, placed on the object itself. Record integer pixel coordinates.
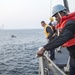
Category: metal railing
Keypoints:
(46, 65)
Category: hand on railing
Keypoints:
(40, 52)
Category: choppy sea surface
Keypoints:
(18, 54)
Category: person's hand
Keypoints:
(40, 52)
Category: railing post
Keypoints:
(41, 66)
(43, 69)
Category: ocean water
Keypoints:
(18, 54)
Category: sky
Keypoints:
(27, 14)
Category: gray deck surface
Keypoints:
(61, 58)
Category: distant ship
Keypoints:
(13, 36)
(2, 27)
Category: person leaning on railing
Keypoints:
(66, 38)
(49, 33)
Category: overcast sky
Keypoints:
(27, 14)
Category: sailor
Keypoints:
(48, 30)
(51, 21)
(66, 38)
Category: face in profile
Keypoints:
(43, 24)
(57, 17)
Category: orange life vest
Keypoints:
(62, 24)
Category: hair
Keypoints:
(42, 21)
